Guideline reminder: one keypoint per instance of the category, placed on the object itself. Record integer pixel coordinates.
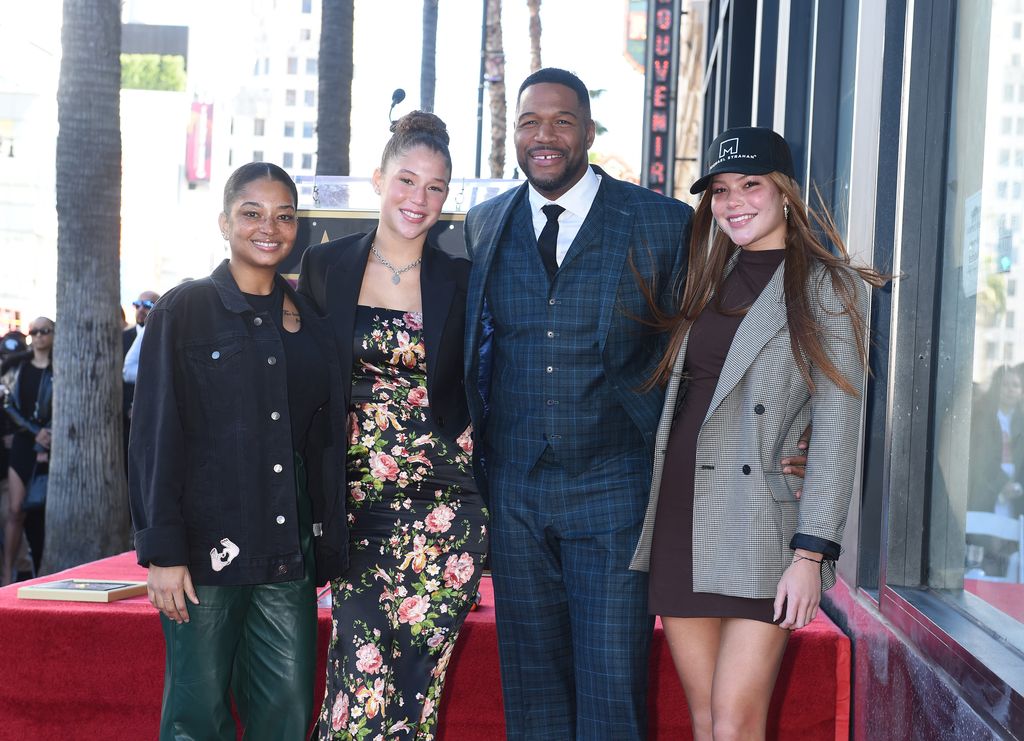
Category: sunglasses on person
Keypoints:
(147, 304)
(44, 331)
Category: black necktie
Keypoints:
(547, 242)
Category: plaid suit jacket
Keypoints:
(649, 228)
(745, 512)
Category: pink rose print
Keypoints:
(440, 519)
(339, 714)
(353, 428)
(383, 466)
(413, 320)
(465, 440)
(370, 660)
(413, 609)
(458, 570)
(418, 397)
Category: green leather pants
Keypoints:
(257, 643)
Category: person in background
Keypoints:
(236, 498)
(418, 524)
(29, 407)
(769, 336)
(131, 343)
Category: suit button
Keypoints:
(279, 519)
(758, 408)
(278, 468)
(550, 334)
(271, 360)
(746, 470)
(552, 301)
(257, 321)
(549, 369)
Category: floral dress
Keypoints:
(418, 533)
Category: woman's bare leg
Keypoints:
(14, 526)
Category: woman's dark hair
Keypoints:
(557, 76)
(417, 129)
(710, 251)
(256, 171)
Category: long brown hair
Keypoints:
(710, 251)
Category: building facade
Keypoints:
(908, 118)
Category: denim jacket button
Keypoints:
(257, 321)
(215, 355)
(271, 360)
(282, 569)
(275, 416)
(278, 468)
(280, 519)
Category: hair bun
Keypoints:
(420, 122)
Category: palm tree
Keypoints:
(534, 6)
(428, 76)
(495, 75)
(334, 107)
(87, 503)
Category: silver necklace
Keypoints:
(397, 277)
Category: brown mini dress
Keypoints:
(670, 590)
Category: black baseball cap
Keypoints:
(749, 150)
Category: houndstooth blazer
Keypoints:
(744, 510)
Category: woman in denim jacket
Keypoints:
(236, 491)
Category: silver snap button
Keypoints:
(275, 416)
(278, 468)
(280, 519)
(257, 321)
(271, 360)
(215, 355)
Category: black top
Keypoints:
(28, 388)
(309, 386)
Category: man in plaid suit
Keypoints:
(556, 353)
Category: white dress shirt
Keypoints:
(576, 202)
(131, 359)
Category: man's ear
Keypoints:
(591, 132)
(222, 221)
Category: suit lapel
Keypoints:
(437, 288)
(343, 281)
(767, 315)
(614, 229)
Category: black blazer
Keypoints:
(331, 275)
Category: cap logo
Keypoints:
(729, 146)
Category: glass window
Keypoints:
(258, 124)
(293, 66)
(307, 162)
(977, 506)
(310, 99)
(287, 160)
(289, 97)
(307, 130)
(289, 128)
(307, 6)
(257, 155)
(311, 66)
(305, 34)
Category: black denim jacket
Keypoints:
(211, 467)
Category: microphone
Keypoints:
(396, 97)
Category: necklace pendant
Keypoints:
(396, 279)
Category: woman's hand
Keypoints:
(800, 590)
(44, 437)
(167, 587)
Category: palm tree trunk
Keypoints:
(428, 76)
(534, 6)
(334, 107)
(87, 503)
(495, 66)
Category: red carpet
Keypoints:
(75, 670)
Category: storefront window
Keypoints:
(977, 512)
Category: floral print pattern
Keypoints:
(418, 535)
